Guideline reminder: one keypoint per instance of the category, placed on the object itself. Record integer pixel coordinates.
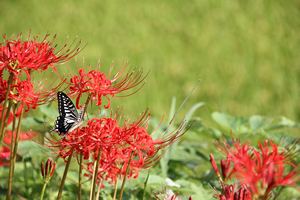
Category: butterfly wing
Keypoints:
(79, 120)
(66, 107)
(62, 127)
(68, 115)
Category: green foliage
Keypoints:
(188, 165)
(245, 53)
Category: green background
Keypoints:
(245, 53)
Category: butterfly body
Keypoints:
(68, 119)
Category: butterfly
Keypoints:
(68, 119)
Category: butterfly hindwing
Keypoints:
(61, 126)
(68, 118)
(79, 119)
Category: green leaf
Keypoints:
(221, 119)
(230, 122)
(287, 122)
(256, 123)
(193, 110)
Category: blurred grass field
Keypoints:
(245, 53)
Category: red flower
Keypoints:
(230, 193)
(133, 138)
(262, 169)
(96, 84)
(3, 89)
(28, 94)
(233, 191)
(25, 95)
(30, 55)
(116, 144)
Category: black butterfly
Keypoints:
(68, 118)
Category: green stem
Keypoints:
(96, 174)
(7, 116)
(93, 180)
(13, 159)
(12, 142)
(145, 184)
(116, 188)
(80, 175)
(26, 179)
(124, 180)
(64, 177)
(43, 190)
(98, 191)
(2, 127)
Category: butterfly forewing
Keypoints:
(66, 107)
(68, 118)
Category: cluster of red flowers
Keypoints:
(18, 60)
(259, 171)
(127, 145)
(116, 146)
(116, 143)
(31, 55)
(17, 56)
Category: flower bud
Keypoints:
(47, 169)
(213, 163)
(225, 165)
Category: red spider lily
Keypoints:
(3, 86)
(264, 169)
(31, 55)
(102, 132)
(134, 138)
(230, 193)
(96, 84)
(25, 95)
(28, 94)
(116, 143)
(233, 191)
